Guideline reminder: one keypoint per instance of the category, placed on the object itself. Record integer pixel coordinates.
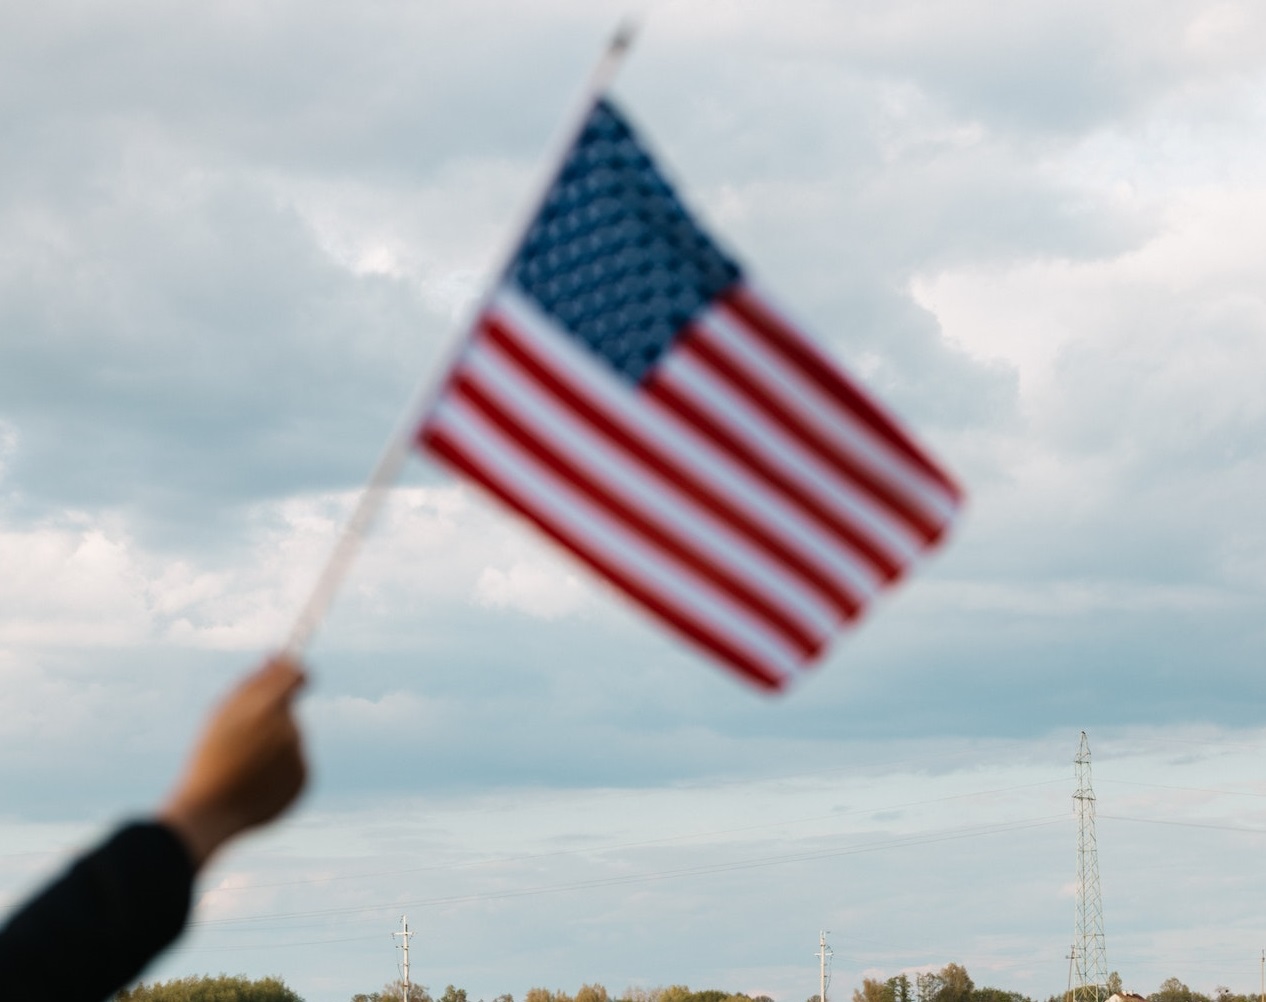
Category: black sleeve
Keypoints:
(95, 928)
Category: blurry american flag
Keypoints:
(626, 389)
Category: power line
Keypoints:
(664, 840)
(1183, 789)
(926, 838)
(1185, 824)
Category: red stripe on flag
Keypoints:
(697, 345)
(636, 446)
(441, 445)
(854, 538)
(811, 362)
(662, 538)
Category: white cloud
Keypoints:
(441, 234)
(540, 589)
(84, 580)
(71, 585)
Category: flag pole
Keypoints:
(385, 472)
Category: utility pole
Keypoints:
(1072, 955)
(1263, 995)
(824, 954)
(404, 935)
(1091, 961)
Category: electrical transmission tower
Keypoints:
(1089, 957)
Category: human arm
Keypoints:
(124, 901)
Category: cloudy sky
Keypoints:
(234, 237)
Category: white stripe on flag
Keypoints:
(727, 332)
(690, 376)
(522, 477)
(668, 435)
(645, 490)
(764, 319)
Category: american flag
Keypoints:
(628, 390)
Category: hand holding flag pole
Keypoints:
(626, 387)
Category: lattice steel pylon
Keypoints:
(1089, 957)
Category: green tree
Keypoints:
(956, 984)
(208, 989)
(900, 988)
(394, 991)
(873, 990)
(998, 995)
(452, 994)
(951, 983)
(1114, 984)
(1173, 990)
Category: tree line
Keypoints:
(951, 983)
(240, 989)
(586, 993)
(209, 989)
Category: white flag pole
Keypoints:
(387, 469)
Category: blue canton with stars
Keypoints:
(613, 256)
